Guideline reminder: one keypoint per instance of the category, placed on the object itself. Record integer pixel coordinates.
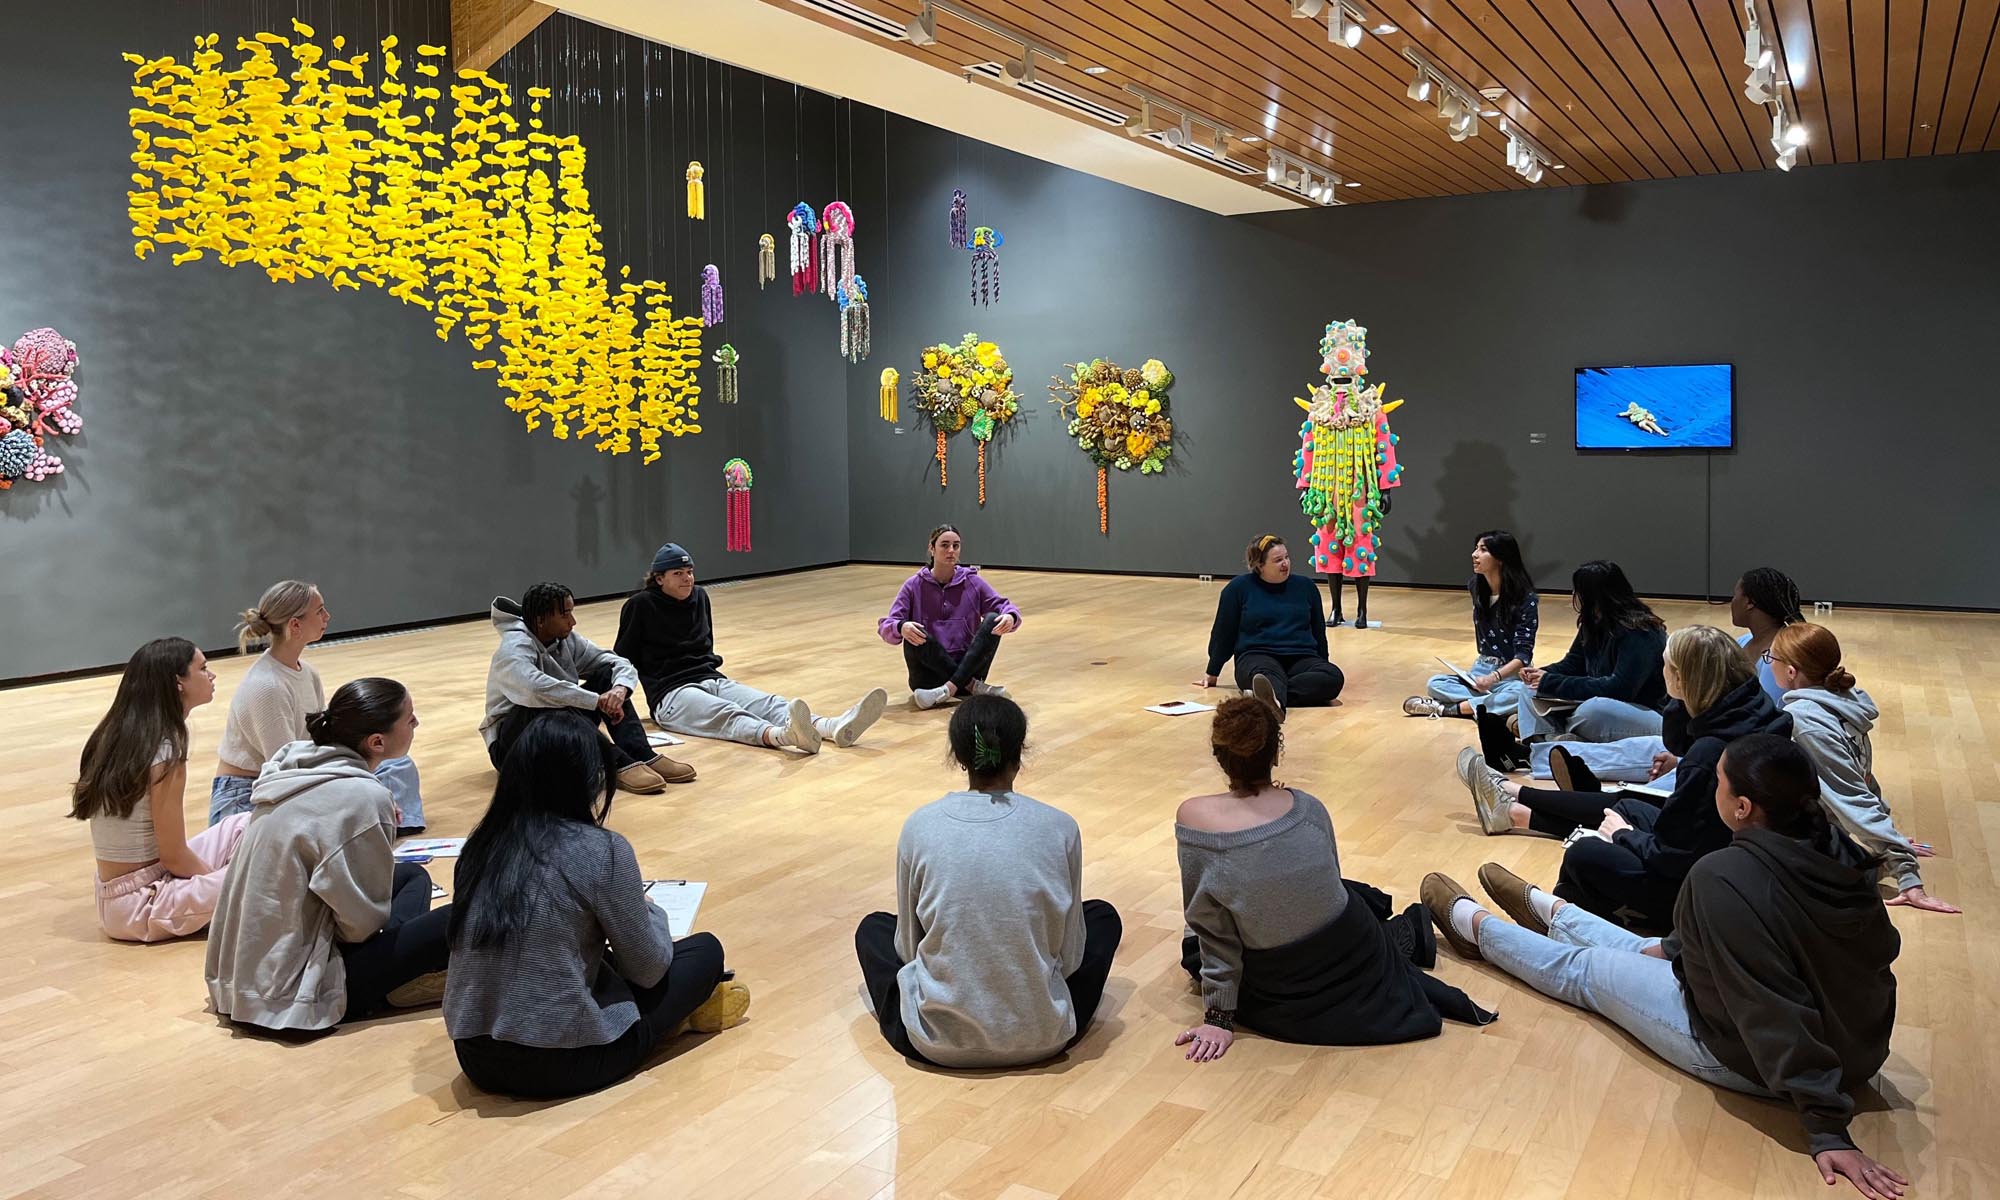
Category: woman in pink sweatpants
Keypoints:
(153, 880)
(152, 903)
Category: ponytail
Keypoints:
(1774, 774)
(280, 603)
(1815, 652)
(358, 711)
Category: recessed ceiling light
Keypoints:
(1557, 166)
(1354, 183)
(1491, 112)
(1384, 29)
(1493, 93)
(1095, 70)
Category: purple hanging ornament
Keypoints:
(986, 245)
(958, 218)
(711, 295)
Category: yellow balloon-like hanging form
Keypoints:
(697, 194)
(311, 169)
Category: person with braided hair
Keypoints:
(992, 957)
(1764, 601)
(1277, 941)
(1777, 980)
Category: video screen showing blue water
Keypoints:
(1655, 408)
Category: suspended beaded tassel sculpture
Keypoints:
(891, 383)
(854, 319)
(711, 295)
(736, 482)
(836, 249)
(725, 374)
(697, 195)
(958, 219)
(767, 260)
(805, 248)
(986, 243)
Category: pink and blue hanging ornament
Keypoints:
(836, 249)
(804, 224)
(986, 243)
(958, 219)
(711, 295)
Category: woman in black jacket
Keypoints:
(1611, 674)
(1630, 864)
(1778, 978)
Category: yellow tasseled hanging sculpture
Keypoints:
(890, 382)
(697, 197)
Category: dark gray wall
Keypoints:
(1857, 303)
(239, 431)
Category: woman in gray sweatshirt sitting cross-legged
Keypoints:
(993, 958)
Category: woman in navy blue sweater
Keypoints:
(1272, 624)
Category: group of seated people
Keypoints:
(1731, 921)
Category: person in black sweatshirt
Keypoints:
(1777, 980)
(1612, 670)
(667, 631)
(1631, 869)
(1271, 623)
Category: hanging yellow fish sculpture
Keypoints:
(310, 169)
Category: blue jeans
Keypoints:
(1598, 719)
(1504, 697)
(231, 793)
(1593, 964)
(1627, 760)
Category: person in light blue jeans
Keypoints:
(1609, 685)
(1627, 760)
(1506, 615)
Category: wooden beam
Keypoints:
(483, 30)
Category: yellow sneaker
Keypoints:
(725, 1008)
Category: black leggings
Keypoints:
(1306, 681)
(875, 946)
(1560, 814)
(626, 745)
(929, 666)
(537, 1073)
(411, 945)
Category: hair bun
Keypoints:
(1840, 679)
(316, 724)
(1242, 730)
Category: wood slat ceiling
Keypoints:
(1615, 89)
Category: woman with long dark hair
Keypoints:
(1506, 614)
(153, 880)
(1777, 980)
(318, 924)
(1608, 686)
(564, 977)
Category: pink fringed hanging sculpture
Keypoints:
(986, 245)
(805, 248)
(711, 295)
(958, 218)
(836, 250)
(37, 401)
(736, 480)
(854, 332)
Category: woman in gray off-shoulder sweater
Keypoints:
(564, 978)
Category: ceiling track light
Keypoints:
(922, 31)
(1766, 86)
(1181, 135)
(1458, 106)
(1306, 10)
(1528, 157)
(1343, 24)
(1285, 173)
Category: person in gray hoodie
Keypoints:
(543, 663)
(318, 924)
(1830, 720)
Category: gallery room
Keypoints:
(999, 599)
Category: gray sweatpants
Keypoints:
(722, 708)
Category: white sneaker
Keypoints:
(800, 733)
(847, 728)
(982, 688)
(929, 697)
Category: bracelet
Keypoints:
(1221, 1018)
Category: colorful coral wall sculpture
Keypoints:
(318, 165)
(37, 402)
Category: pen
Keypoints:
(674, 882)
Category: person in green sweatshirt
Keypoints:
(1777, 980)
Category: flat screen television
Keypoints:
(1656, 408)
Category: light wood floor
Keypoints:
(114, 1082)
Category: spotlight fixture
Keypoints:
(1420, 87)
(1017, 71)
(1456, 103)
(1524, 155)
(1343, 25)
(1757, 89)
(1286, 173)
(1769, 77)
(1140, 123)
(922, 29)
(1306, 10)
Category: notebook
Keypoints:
(1179, 708)
(680, 899)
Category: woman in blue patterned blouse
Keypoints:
(1505, 616)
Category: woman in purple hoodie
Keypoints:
(949, 622)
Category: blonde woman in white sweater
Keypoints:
(276, 696)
